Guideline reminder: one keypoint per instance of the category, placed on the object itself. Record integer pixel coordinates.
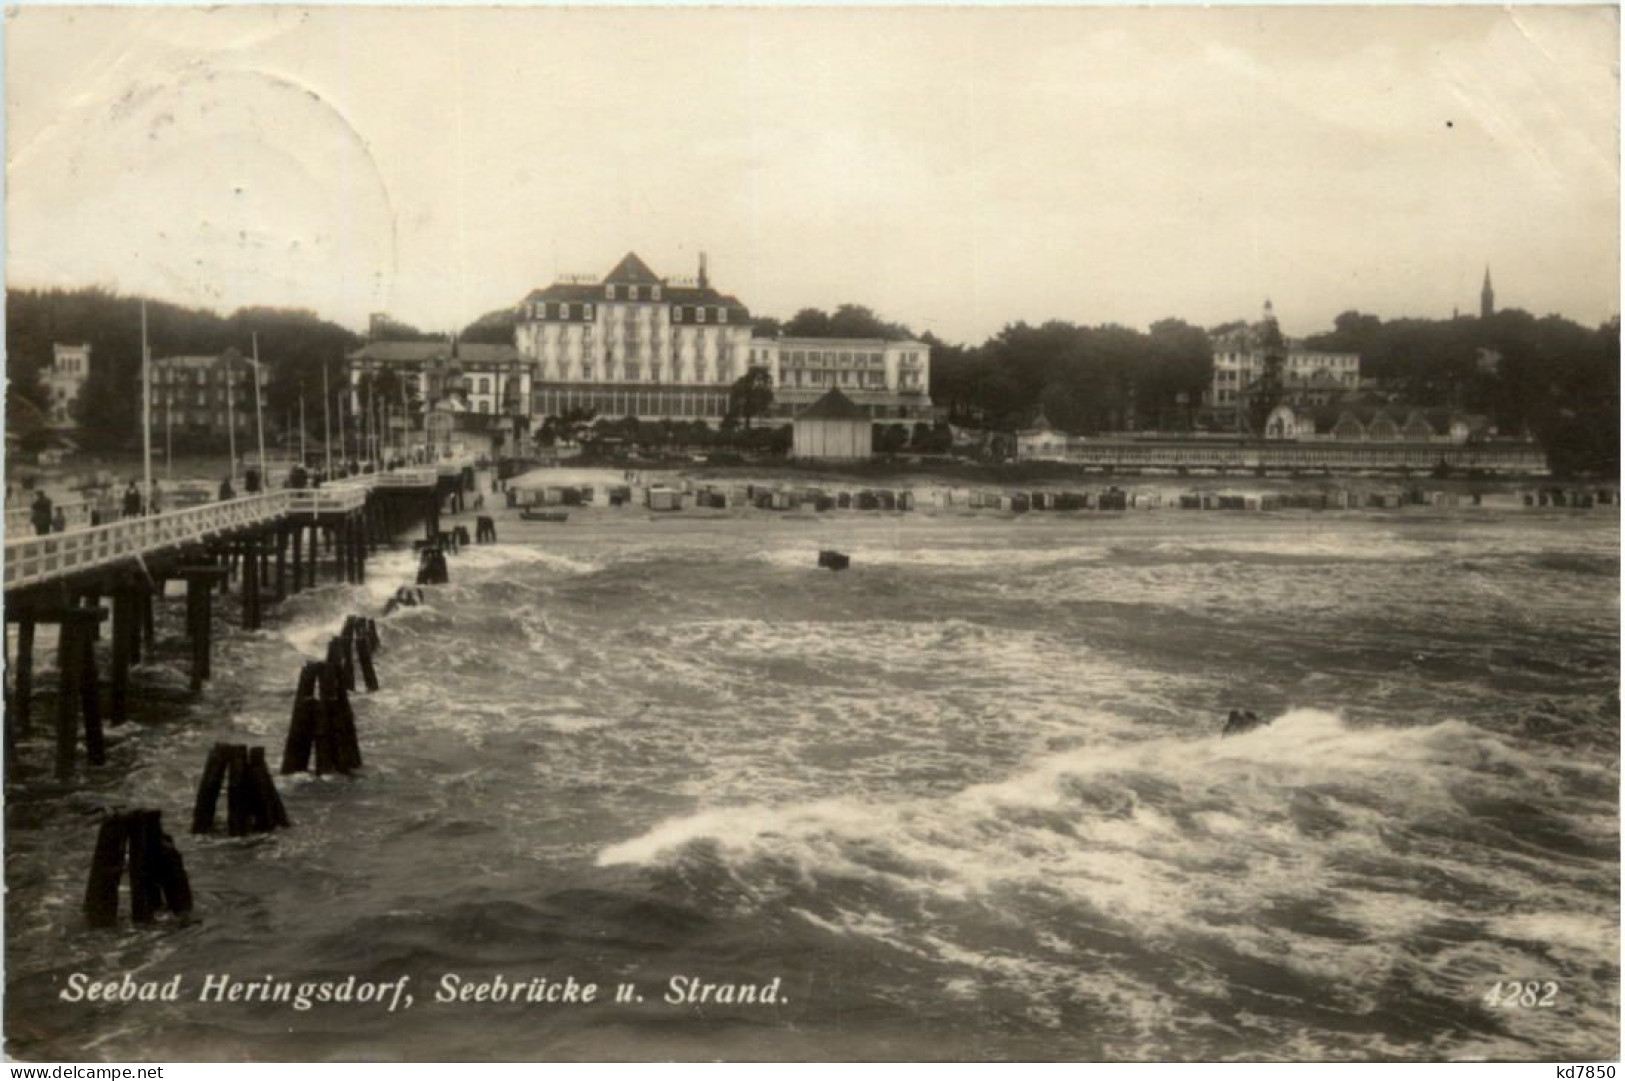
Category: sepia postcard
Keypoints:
(792, 534)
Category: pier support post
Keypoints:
(296, 533)
(281, 561)
(124, 629)
(76, 679)
(200, 617)
(250, 554)
(24, 691)
(149, 622)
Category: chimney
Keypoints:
(704, 281)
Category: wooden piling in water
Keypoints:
(305, 720)
(237, 795)
(268, 811)
(146, 895)
(106, 869)
(208, 790)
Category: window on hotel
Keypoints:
(722, 315)
(609, 292)
(586, 371)
(654, 292)
(699, 314)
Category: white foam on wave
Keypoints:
(486, 557)
(1355, 545)
(1169, 837)
(866, 554)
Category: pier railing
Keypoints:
(38, 559)
(20, 520)
(406, 478)
(333, 498)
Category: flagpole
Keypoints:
(327, 425)
(302, 458)
(259, 416)
(231, 417)
(169, 437)
(146, 410)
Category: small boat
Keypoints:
(532, 514)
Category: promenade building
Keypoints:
(482, 379)
(204, 397)
(1241, 360)
(65, 380)
(887, 380)
(633, 344)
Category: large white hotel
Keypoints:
(635, 344)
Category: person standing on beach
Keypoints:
(41, 513)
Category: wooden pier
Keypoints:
(270, 545)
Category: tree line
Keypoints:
(1550, 376)
(294, 345)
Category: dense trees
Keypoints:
(750, 396)
(294, 345)
(848, 321)
(1550, 376)
(1083, 379)
(492, 328)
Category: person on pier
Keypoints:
(59, 521)
(132, 501)
(226, 490)
(41, 513)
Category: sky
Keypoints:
(955, 169)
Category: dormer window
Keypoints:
(654, 292)
(699, 314)
(722, 315)
(632, 292)
(609, 292)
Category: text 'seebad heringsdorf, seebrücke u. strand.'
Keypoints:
(449, 989)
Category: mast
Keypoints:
(327, 425)
(259, 415)
(146, 410)
(343, 457)
(301, 423)
(231, 415)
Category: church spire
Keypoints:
(1486, 299)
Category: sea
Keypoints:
(966, 800)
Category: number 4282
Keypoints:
(1524, 995)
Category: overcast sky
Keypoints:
(954, 169)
